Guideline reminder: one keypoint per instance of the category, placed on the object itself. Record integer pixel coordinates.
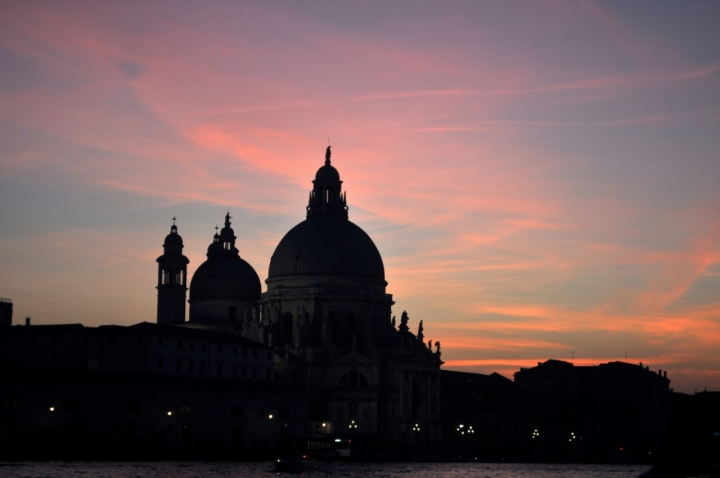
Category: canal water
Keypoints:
(57, 469)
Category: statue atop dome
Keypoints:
(327, 156)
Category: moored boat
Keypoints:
(294, 463)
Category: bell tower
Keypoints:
(172, 280)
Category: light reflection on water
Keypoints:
(58, 469)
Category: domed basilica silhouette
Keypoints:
(325, 313)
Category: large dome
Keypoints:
(327, 245)
(225, 277)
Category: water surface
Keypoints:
(79, 469)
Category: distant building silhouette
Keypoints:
(614, 411)
(109, 391)
(6, 311)
(477, 415)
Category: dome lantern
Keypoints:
(327, 196)
(327, 243)
(227, 235)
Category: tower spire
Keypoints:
(327, 155)
(172, 279)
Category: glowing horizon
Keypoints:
(542, 179)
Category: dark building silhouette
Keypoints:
(692, 446)
(6, 311)
(477, 414)
(69, 390)
(615, 411)
(172, 280)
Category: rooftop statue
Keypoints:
(404, 322)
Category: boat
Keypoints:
(294, 463)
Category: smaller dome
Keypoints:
(327, 173)
(225, 277)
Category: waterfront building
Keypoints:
(613, 411)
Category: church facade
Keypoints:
(325, 313)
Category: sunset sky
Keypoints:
(542, 179)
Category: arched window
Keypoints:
(186, 409)
(353, 379)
